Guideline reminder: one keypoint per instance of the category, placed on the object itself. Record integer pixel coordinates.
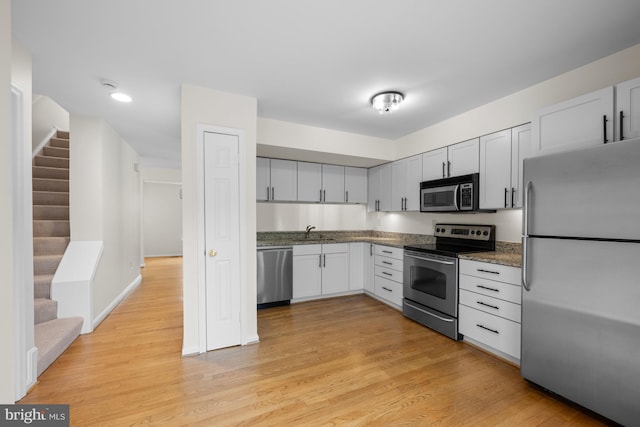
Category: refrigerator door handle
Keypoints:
(525, 233)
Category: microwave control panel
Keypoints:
(466, 197)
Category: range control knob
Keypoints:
(486, 233)
(473, 232)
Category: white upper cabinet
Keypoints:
(495, 170)
(284, 180)
(355, 185)
(380, 188)
(464, 157)
(309, 182)
(434, 164)
(501, 155)
(406, 175)
(584, 121)
(263, 179)
(458, 159)
(520, 150)
(628, 109)
(276, 180)
(332, 184)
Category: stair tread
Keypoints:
(47, 257)
(53, 337)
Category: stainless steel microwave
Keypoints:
(456, 194)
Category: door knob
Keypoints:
(213, 252)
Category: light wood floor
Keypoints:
(351, 361)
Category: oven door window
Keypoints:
(429, 281)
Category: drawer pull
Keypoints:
(387, 262)
(481, 270)
(487, 288)
(387, 252)
(387, 274)
(387, 289)
(495, 307)
(488, 329)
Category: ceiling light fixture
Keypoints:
(386, 102)
(112, 86)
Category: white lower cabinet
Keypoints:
(490, 311)
(369, 268)
(356, 265)
(320, 270)
(388, 268)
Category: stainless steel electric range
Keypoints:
(430, 282)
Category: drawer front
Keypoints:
(389, 290)
(485, 270)
(495, 306)
(496, 332)
(491, 288)
(397, 253)
(307, 249)
(334, 248)
(386, 262)
(389, 274)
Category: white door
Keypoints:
(332, 184)
(520, 149)
(355, 185)
(309, 182)
(284, 180)
(263, 179)
(398, 179)
(222, 240)
(413, 176)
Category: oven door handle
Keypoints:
(430, 314)
(430, 259)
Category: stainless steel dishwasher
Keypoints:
(275, 276)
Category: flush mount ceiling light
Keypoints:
(386, 102)
(112, 87)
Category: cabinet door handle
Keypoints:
(324, 260)
(495, 307)
(273, 196)
(506, 191)
(320, 261)
(370, 249)
(488, 329)
(321, 194)
(324, 196)
(268, 193)
(513, 194)
(604, 128)
(443, 175)
(346, 196)
(621, 125)
(487, 288)
(448, 168)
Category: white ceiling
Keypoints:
(310, 62)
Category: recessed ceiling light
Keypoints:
(386, 102)
(119, 96)
(112, 87)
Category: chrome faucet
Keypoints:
(309, 228)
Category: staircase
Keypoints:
(51, 235)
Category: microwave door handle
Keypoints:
(455, 197)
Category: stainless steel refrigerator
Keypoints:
(581, 277)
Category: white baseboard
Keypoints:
(117, 301)
(32, 367)
(192, 351)
(253, 339)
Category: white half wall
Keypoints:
(201, 106)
